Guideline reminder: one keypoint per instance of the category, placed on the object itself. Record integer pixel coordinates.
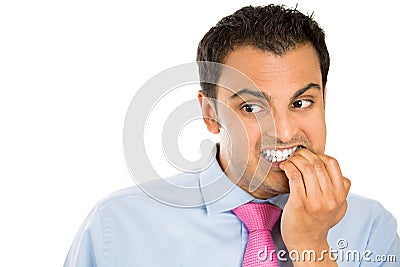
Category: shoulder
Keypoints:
(365, 207)
(366, 225)
(367, 218)
(150, 194)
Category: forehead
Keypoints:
(274, 74)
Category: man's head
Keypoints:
(284, 53)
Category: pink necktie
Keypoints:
(259, 220)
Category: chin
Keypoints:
(276, 183)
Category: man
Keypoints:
(288, 202)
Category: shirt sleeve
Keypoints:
(383, 247)
(81, 253)
(394, 251)
(83, 250)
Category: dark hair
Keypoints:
(272, 28)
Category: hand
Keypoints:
(317, 200)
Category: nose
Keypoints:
(285, 127)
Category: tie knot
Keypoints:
(258, 216)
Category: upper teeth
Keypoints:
(279, 155)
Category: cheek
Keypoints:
(241, 130)
(253, 133)
(315, 131)
(248, 133)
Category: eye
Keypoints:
(302, 103)
(252, 108)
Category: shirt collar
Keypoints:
(220, 194)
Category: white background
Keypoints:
(68, 71)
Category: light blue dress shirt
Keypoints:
(130, 228)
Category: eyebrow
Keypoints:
(246, 91)
(263, 96)
(305, 89)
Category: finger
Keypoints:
(341, 213)
(347, 185)
(323, 176)
(308, 174)
(296, 183)
(343, 207)
(333, 169)
(341, 184)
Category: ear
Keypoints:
(208, 111)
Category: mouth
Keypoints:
(278, 155)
